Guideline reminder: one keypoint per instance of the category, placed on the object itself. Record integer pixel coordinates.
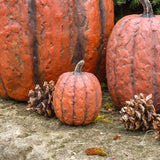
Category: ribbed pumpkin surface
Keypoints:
(133, 59)
(41, 39)
(77, 98)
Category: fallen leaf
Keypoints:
(116, 137)
(108, 105)
(96, 151)
(103, 118)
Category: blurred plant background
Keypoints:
(126, 7)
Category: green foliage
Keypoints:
(126, 7)
(133, 3)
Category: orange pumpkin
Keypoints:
(133, 57)
(41, 39)
(77, 97)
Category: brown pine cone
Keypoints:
(156, 125)
(40, 99)
(138, 114)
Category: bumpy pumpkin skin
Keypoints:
(77, 98)
(133, 59)
(41, 39)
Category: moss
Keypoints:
(60, 146)
(24, 135)
(52, 142)
(53, 156)
(66, 141)
(108, 104)
(59, 137)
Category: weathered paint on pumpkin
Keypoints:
(16, 50)
(41, 39)
(77, 98)
(133, 59)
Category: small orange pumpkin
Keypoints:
(77, 97)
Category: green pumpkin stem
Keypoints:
(79, 67)
(148, 10)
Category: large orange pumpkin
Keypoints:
(77, 97)
(133, 57)
(41, 39)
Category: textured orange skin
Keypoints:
(77, 99)
(133, 59)
(16, 69)
(41, 39)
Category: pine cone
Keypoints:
(138, 113)
(156, 125)
(40, 99)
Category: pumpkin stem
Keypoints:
(79, 67)
(148, 10)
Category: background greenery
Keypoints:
(126, 7)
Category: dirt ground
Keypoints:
(24, 135)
